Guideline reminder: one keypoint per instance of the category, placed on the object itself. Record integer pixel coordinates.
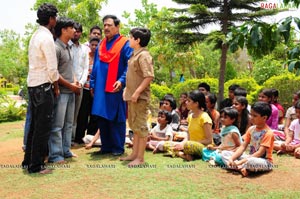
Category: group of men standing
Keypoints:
(58, 71)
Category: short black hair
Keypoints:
(94, 39)
(144, 34)
(62, 22)
(45, 11)
(95, 27)
(113, 17)
(78, 26)
(167, 114)
(262, 108)
(240, 92)
(232, 87)
(204, 85)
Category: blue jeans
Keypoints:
(27, 123)
(41, 106)
(61, 132)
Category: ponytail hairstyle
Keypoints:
(245, 114)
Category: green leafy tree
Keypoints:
(266, 68)
(12, 62)
(85, 12)
(201, 13)
(167, 55)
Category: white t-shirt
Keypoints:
(167, 131)
(295, 127)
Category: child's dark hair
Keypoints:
(143, 34)
(269, 93)
(239, 91)
(262, 108)
(113, 17)
(245, 114)
(204, 85)
(212, 98)
(45, 11)
(172, 102)
(297, 105)
(198, 96)
(94, 39)
(62, 22)
(167, 114)
(232, 113)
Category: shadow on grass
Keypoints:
(251, 175)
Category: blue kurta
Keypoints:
(109, 105)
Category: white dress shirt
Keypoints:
(42, 58)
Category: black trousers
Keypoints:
(42, 106)
(85, 121)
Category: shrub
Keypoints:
(266, 68)
(159, 91)
(287, 85)
(192, 84)
(9, 111)
(248, 83)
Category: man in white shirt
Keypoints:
(80, 67)
(42, 84)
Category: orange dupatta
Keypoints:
(112, 57)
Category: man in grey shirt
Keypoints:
(61, 133)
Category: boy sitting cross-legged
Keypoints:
(260, 139)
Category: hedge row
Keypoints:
(286, 84)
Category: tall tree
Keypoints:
(86, 12)
(198, 14)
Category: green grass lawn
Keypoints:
(104, 176)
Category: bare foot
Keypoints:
(88, 146)
(136, 162)
(188, 157)
(128, 158)
(155, 150)
(244, 172)
(61, 162)
(212, 162)
(180, 154)
(45, 171)
(74, 155)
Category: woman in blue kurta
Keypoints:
(107, 83)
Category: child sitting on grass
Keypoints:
(162, 131)
(292, 141)
(230, 137)
(260, 138)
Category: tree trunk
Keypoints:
(224, 25)
(222, 73)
